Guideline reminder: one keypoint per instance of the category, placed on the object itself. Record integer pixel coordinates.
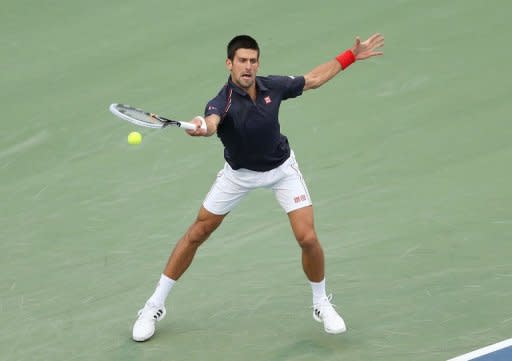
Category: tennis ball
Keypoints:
(134, 138)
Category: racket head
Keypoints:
(136, 116)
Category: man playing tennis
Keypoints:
(244, 114)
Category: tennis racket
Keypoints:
(149, 120)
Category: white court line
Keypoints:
(483, 351)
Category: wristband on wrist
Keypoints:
(346, 59)
(203, 122)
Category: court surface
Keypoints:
(407, 157)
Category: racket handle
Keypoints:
(188, 126)
(192, 126)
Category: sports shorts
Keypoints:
(231, 186)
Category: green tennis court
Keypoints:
(407, 157)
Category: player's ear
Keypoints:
(229, 64)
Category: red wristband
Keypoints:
(346, 58)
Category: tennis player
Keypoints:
(244, 114)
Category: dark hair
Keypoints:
(242, 42)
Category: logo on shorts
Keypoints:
(267, 100)
(300, 198)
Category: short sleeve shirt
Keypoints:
(250, 130)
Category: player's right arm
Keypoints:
(215, 110)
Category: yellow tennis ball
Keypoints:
(134, 138)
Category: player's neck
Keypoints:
(252, 92)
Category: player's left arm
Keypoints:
(360, 51)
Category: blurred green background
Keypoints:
(407, 158)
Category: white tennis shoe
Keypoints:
(144, 326)
(324, 311)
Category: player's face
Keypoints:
(244, 67)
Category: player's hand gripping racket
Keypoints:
(149, 120)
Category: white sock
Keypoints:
(318, 289)
(162, 291)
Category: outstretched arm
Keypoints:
(361, 50)
(212, 121)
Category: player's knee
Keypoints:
(307, 240)
(199, 232)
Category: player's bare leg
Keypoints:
(180, 259)
(303, 228)
(302, 222)
(184, 251)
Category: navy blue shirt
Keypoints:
(250, 130)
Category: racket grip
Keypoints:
(192, 126)
(188, 126)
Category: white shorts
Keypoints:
(232, 185)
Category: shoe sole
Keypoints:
(335, 332)
(142, 339)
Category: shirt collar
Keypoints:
(259, 85)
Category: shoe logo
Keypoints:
(158, 314)
(317, 312)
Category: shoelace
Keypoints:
(329, 298)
